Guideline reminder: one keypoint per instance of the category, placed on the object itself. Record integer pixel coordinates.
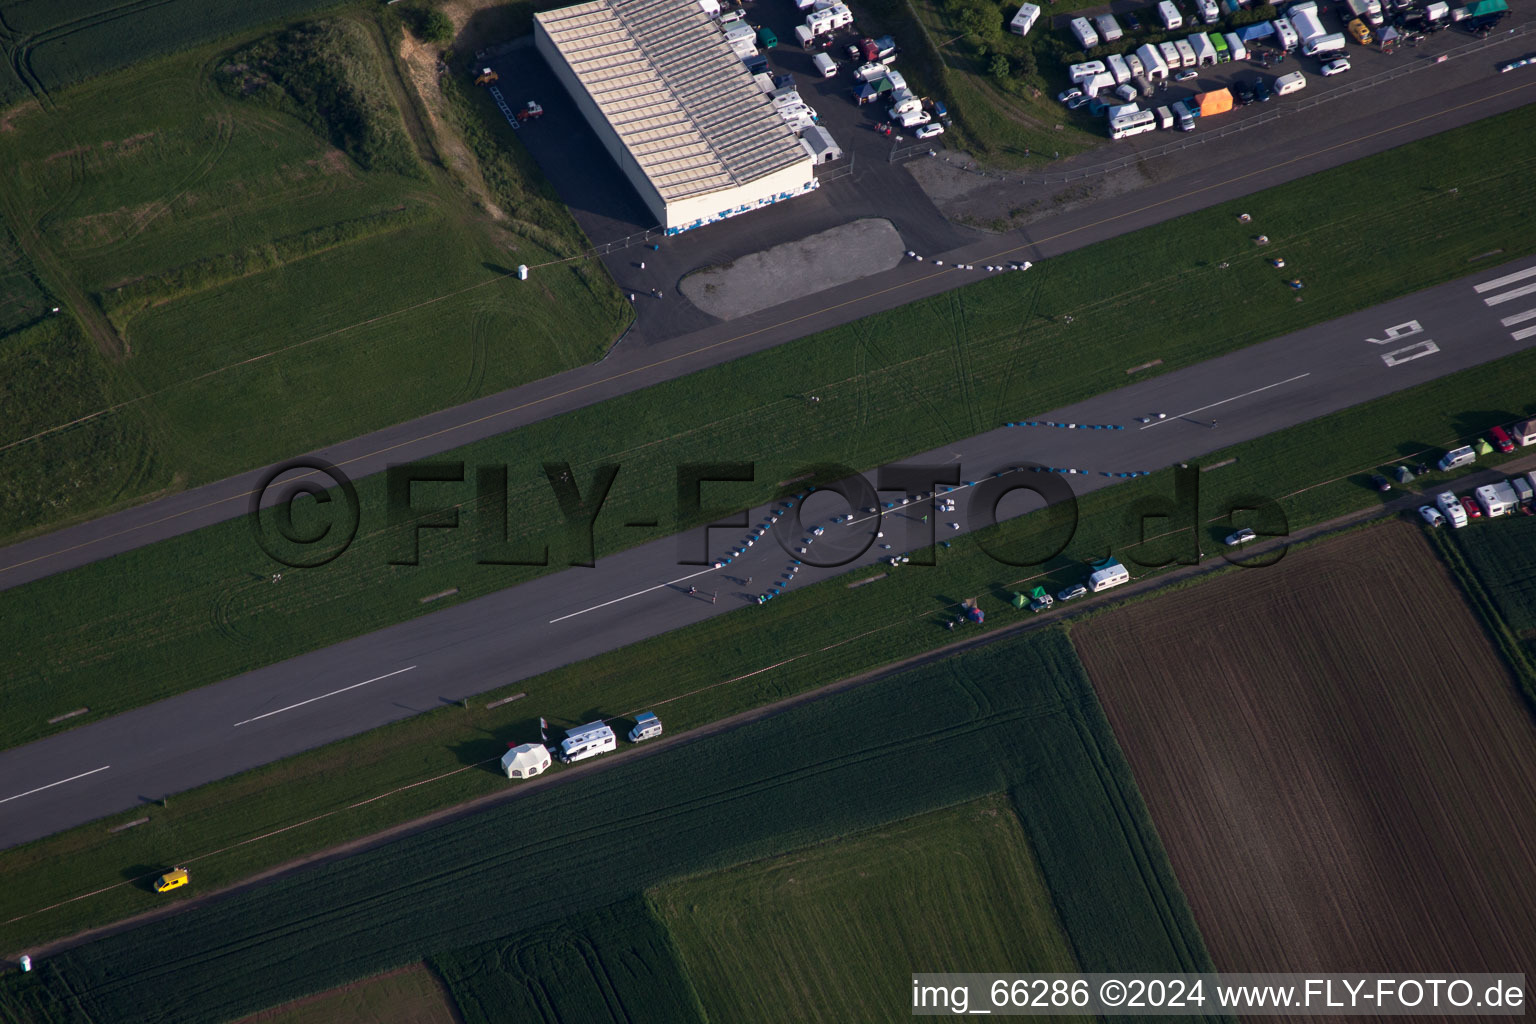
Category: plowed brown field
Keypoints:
(1336, 760)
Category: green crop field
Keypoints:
(256, 272)
(616, 965)
(1023, 713)
(891, 385)
(1502, 552)
(950, 890)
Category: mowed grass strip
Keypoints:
(409, 995)
(891, 385)
(1022, 714)
(246, 290)
(1338, 762)
(616, 965)
(834, 932)
(706, 672)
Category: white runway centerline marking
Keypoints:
(333, 693)
(1224, 401)
(1500, 282)
(50, 785)
(638, 593)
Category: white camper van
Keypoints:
(1456, 458)
(1451, 506)
(587, 741)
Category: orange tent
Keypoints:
(1218, 101)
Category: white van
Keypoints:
(825, 66)
(1287, 84)
(1451, 506)
(1456, 458)
(587, 741)
(1321, 45)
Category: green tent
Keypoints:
(1038, 592)
(1019, 600)
(1483, 447)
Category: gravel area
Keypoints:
(785, 272)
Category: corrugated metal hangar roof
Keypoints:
(680, 100)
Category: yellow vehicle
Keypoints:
(173, 879)
(1360, 32)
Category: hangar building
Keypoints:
(675, 108)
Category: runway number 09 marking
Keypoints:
(1407, 354)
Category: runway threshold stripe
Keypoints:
(1488, 286)
(50, 785)
(1519, 318)
(1529, 332)
(333, 693)
(1510, 296)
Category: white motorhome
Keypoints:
(1205, 52)
(1134, 63)
(1119, 68)
(1285, 34)
(1087, 38)
(1025, 19)
(1208, 11)
(1320, 45)
(1235, 46)
(1132, 124)
(1171, 59)
(1108, 27)
(1287, 84)
(587, 741)
(1111, 575)
(1170, 16)
(1187, 56)
(1451, 506)
(1457, 457)
(647, 725)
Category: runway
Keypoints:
(259, 717)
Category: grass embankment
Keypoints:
(948, 890)
(1023, 714)
(263, 255)
(411, 995)
(235, 828)
(890, 385)
(50, 46)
